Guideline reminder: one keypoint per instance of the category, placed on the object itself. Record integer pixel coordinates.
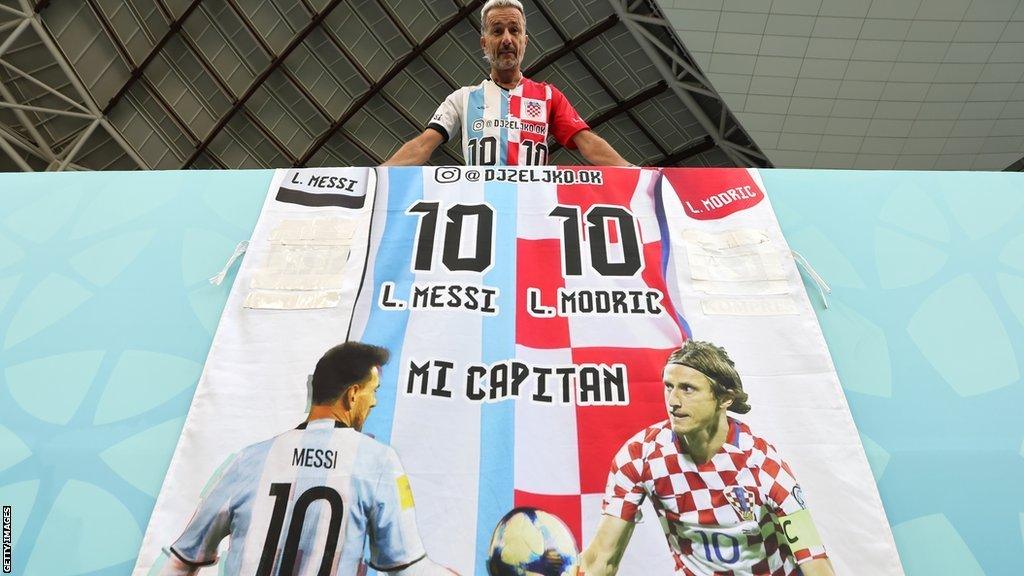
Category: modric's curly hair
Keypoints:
(342, 366)
(714, 362)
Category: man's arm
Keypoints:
(784, 497)
(211, 522)
(605, 552)
(818, 567)
(417, 151)
(596, 150)
(175, 567)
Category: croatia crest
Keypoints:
(532, 109)
(742, 501)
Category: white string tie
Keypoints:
(823, 287)
(239, 250)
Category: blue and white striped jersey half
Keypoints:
(309, 499)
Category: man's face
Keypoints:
(690, 401)
(503, 38)
(365, 399)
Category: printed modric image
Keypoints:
(727, 501)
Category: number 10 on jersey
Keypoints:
(484, 152)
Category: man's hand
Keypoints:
(596, 150)
(605, 552)
(417, 151)
(819, 567)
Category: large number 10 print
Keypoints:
(483, 244)
(597, 217)
(280, 491)
(484, 152)
(714, 542)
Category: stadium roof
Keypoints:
(868, 84)
(168, 84)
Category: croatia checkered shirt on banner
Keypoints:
(699, 504)
(529, 313)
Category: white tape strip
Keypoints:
(759, 307)
(270, 280)
(736, 268)
(320, 231)
(753, 288)
(306, 259)
(264, 300)
(726, 240)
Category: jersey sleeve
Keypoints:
(448, 118)
(784, 497)
(565, 122)
(211, 522)
(625, 490)
(394, 539)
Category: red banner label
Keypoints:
(711, 194)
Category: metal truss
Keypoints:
(570, 46)
(29, 146)
(49, 119)
(682, 75)
(378, 86)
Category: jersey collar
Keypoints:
(667, 437)
(522, 79)
(337, 423)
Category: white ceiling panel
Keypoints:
(908, 84)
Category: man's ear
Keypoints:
(349, 397)
(725, 401)
(483, 43)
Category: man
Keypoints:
(727, 502)
(306, 501)
(505, 120)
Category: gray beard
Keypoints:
(498, 63)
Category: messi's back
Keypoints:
(304, 502)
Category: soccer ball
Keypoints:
(531, 542)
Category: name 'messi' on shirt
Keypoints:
(315, 458)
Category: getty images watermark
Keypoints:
(7, 539)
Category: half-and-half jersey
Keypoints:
(722, 517)
(309, 498)
(502, 127)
